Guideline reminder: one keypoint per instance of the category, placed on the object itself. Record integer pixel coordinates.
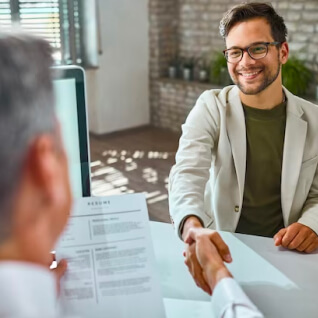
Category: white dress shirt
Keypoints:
(230, 301)
(27, 291)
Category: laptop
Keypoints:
(70, 99)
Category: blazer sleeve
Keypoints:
(188, 177)
(309, 216)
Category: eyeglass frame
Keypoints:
(247, 50)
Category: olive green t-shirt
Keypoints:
(265, 130)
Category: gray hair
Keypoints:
(26, 110)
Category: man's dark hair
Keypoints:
(247, 11)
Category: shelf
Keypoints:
(180, 82)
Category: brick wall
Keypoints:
(163, 46)
(174, 100)
(189, 28)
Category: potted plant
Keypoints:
(187, 68)
(203, 70)
(174, 66)
(218, 70)
(296, 76)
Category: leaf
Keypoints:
(296, 76)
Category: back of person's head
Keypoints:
(247, 11)
(26, 110)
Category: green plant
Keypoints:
(218, 70)
(296, 76)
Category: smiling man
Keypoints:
(247, 159)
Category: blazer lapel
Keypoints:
(237, 136)
(295, 137)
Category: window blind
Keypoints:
(5, 15)
(42, 18)
(70, 26)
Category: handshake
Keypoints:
(205, 257)
(206, 251)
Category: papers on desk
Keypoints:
(110, 260)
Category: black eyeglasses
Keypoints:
(256, 51)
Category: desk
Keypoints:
(281, 283)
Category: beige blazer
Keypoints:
(208, 177)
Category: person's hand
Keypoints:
(190, 258)
(297, 236)
(59, 270)
(195, 268)
(210, 251)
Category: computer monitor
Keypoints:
(69, 89)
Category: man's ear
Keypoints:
(43, 166)
(35, 195)
(284, 52)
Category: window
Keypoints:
(5, 14)
(61, 22)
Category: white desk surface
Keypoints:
(282, 283)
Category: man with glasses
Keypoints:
(247, 158)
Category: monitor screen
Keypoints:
(69, 89)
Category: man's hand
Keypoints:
(59, 270)
(297, 236)
(212, 241)
(210, 251)
(195, 268)
(192, 222)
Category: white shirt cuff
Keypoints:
(228, 299)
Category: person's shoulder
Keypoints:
(219, 95)
(305, 104)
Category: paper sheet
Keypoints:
(110, 260)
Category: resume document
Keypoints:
(110, 257)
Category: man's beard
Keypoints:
(268, 80)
